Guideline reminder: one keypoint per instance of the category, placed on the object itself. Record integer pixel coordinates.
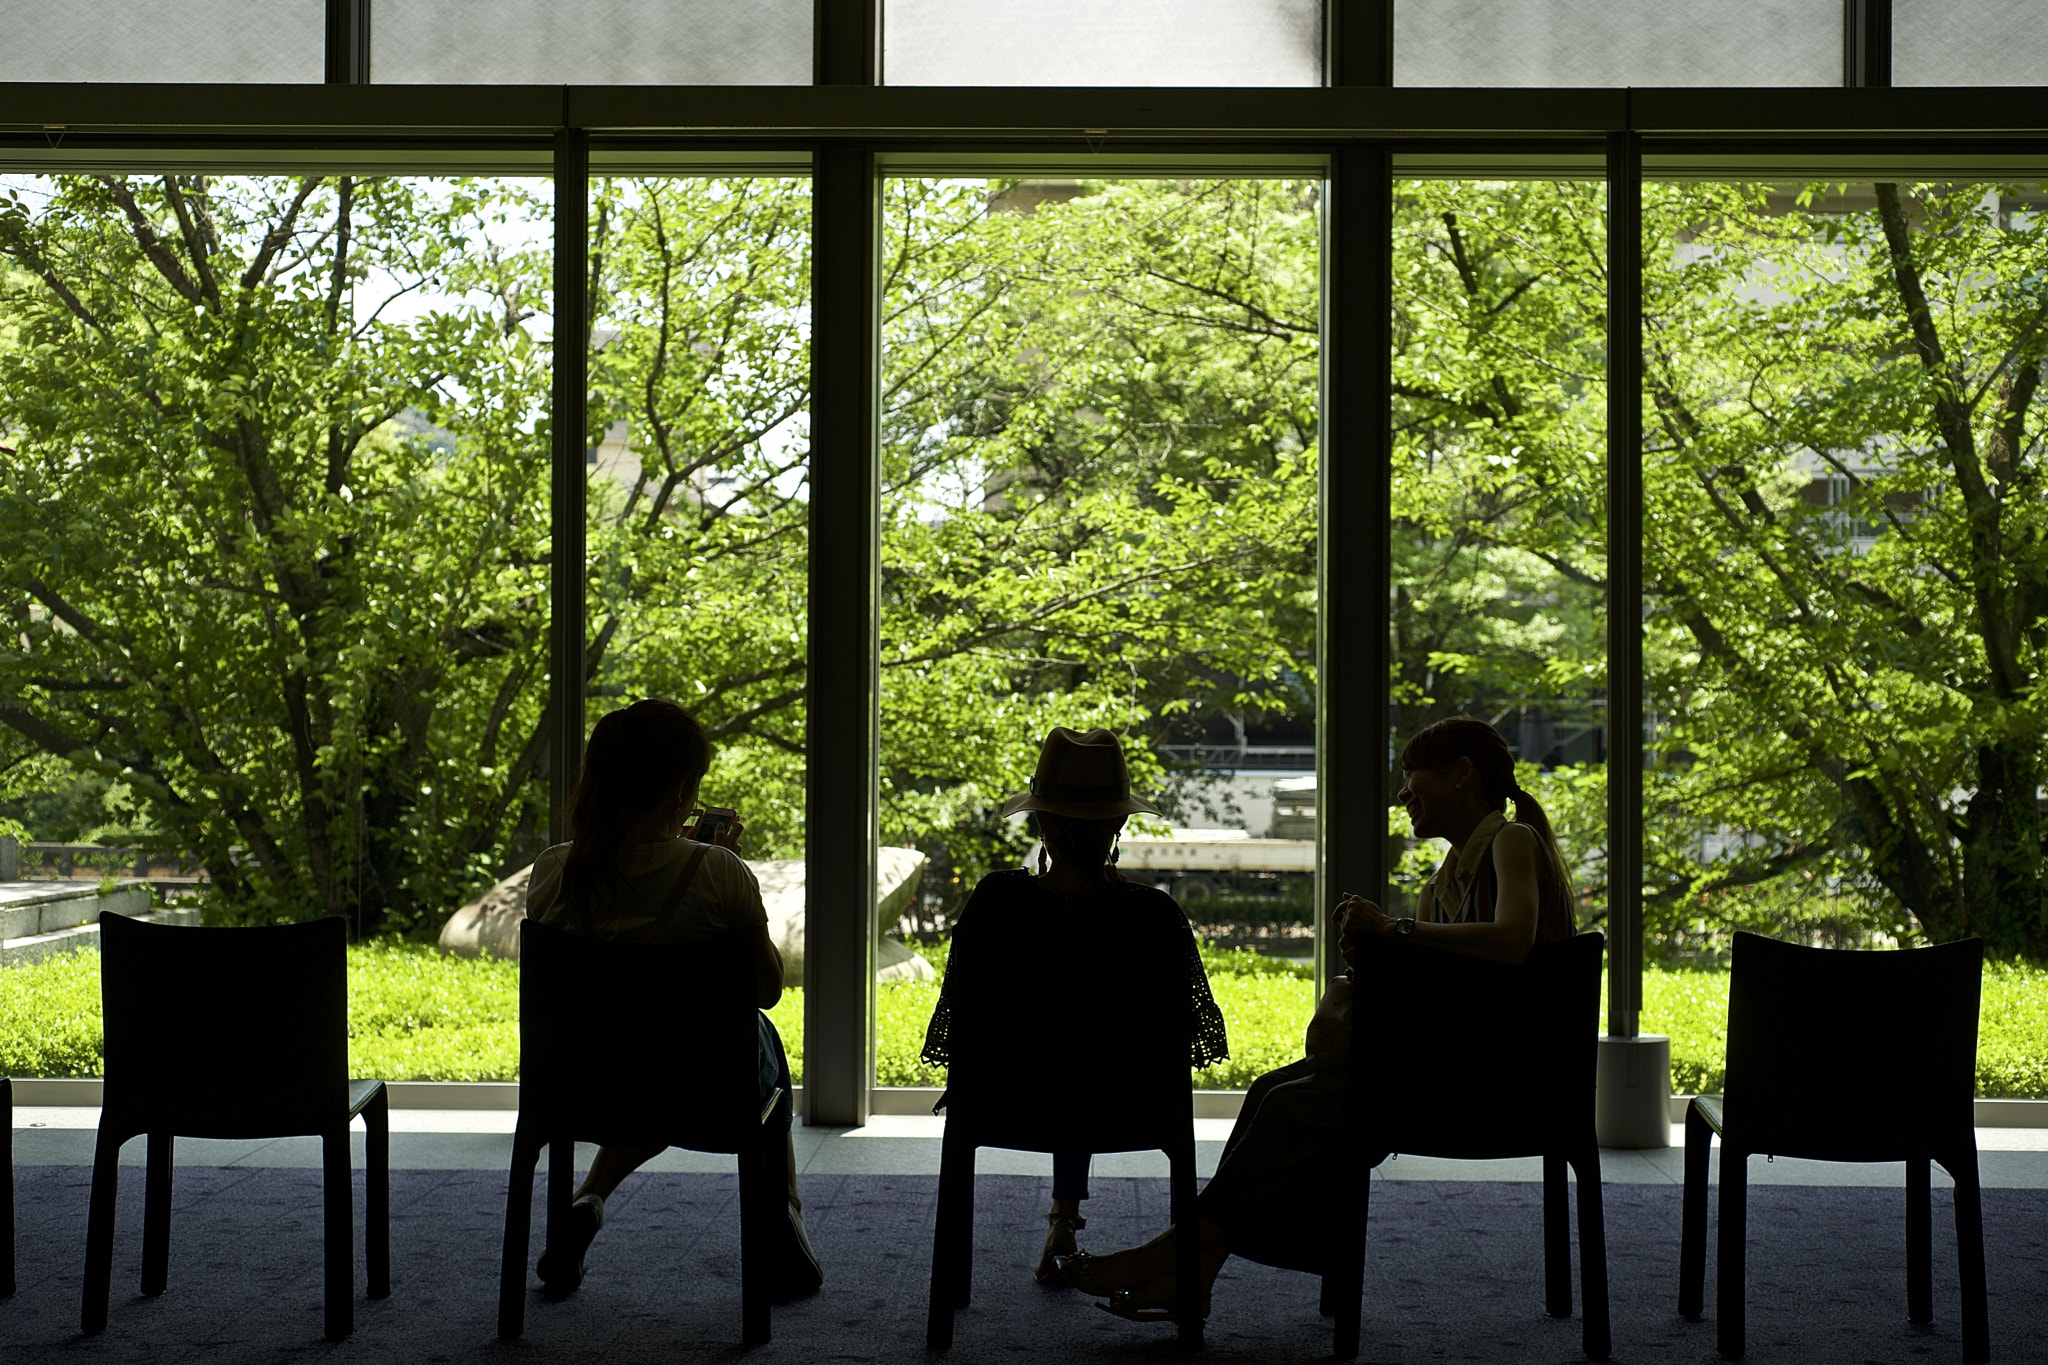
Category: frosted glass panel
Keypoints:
(163, 40)
(1969, 42)
(593, 42)
(1618, 42)
(1102, 42)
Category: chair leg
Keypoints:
(7, 1194)
(1344, 1284)
(156, 1213)
(338, 1185)
(763, 1194)
(1187, 1242)
(1595, 1335)
(518, 1236)
(1729, 1271)
(1692, 1225)
(377, 1194)
(1557, 1237)
(1919, 1243)
(952, 1239)
(99, 1232)
(1969, 1197)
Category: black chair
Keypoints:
(1507, 1072)
(630, 1045)
(233, 1033)
(7, 1195)
(1796, 1016)
(1080, 1043)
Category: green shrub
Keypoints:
(50, 1016)
(416, 1014)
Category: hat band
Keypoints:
(1080, 796)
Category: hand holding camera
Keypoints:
(719, 825)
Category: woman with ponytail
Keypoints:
(632, 872)
(1501, 890)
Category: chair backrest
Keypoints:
(1454, 1056)
(632, 1044)
(1851, 1056)
(225, 1032)
(1074, 1029)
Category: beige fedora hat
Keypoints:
(1082, 776)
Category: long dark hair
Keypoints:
(1456, 737)
(638, 760)
(1084, 843)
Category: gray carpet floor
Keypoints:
(1454, 1274)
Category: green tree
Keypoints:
(250, 575)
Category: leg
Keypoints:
(156, 1214)
(518, 1233)
(1919, 1243)
(1557, 1237)
(377, 1194)
(99, 1232)
(612, 1165)
(1729, 1248)
(1692, 1227)
(1069, 1188)
(1969, 1197)
(1597, 1336)
(339, 1187)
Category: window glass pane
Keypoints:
(1499, 551)
(1842, 473)
(290, 577)
(1100, 510)
(1617, 42)
(601, 42)
(163, 40)
(1102, 42)
(1968, 42)
(699, 507)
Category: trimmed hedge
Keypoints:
(415, 1014)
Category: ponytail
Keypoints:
(1456, 737)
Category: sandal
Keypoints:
(561, 1268)
(1122, 1304)
(1059, 1246)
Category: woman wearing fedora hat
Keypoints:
(1021, 927)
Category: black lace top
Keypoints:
(1013, 925)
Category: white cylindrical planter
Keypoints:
(1632, 1092)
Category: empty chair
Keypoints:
(232, 1033)
(1798, 1021)
(641, 1045)
(1508, 1072)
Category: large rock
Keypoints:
(489, 925)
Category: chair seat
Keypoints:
(1714, 1110)
(360, 1093)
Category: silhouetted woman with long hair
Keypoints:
(631, 873)
(1501, 889)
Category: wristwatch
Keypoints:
(1405, 927)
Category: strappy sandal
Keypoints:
(1077, 1272)
(1059, 1246)
(561, 1268)
(1121, 1305)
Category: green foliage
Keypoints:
(417, 1014)
(50, 1016)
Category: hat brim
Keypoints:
(1078, 810)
